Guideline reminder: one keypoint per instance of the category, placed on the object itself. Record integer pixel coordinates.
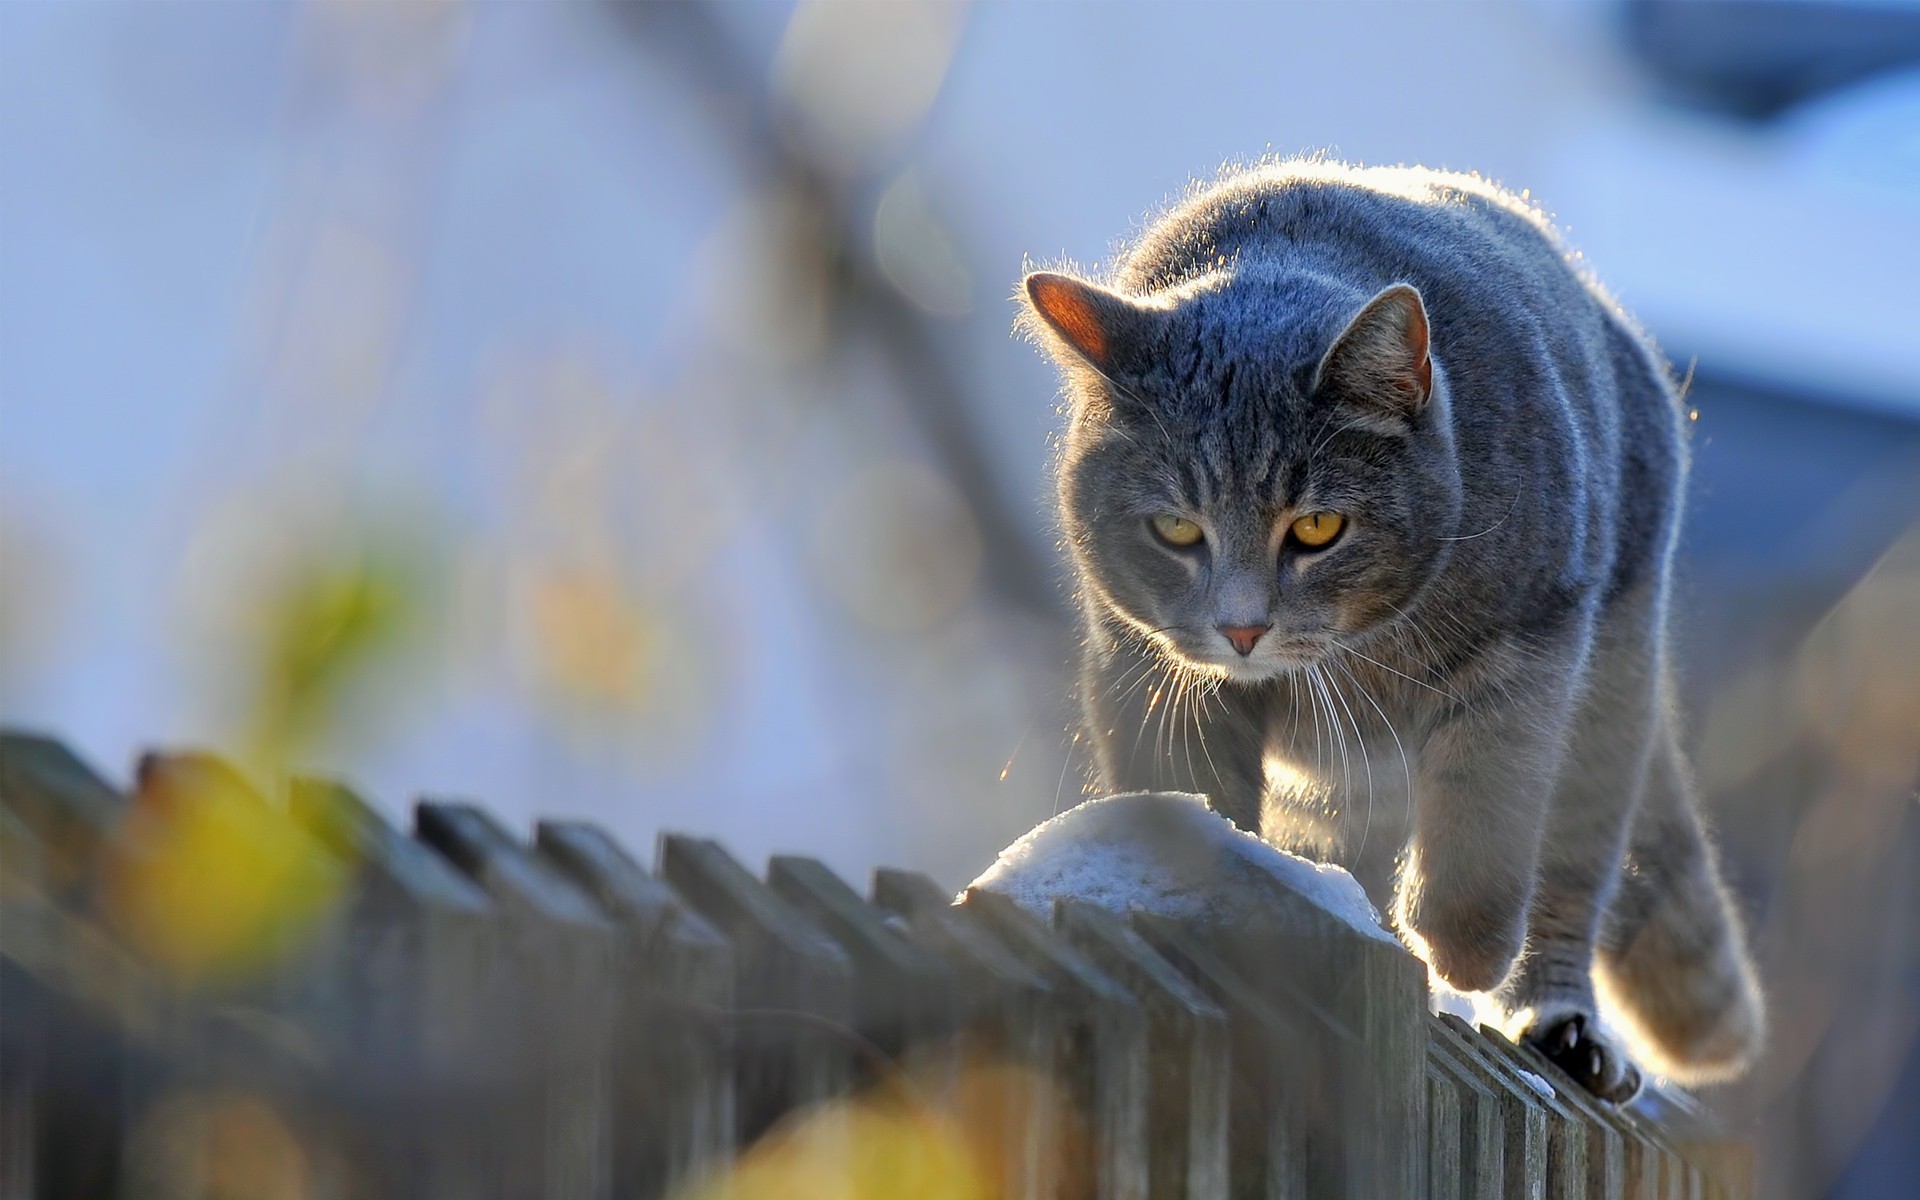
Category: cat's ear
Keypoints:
(1382, 360)
(1104, 329)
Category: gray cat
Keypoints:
(1371, 495)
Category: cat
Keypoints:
(1371, 493)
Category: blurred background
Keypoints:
(610, 410)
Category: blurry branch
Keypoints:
(936, 401)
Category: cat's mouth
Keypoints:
(1267, 661)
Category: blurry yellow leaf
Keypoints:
(216, 1146)
(332, 617)
(856, 1151)
(213, 883)
(595, 644)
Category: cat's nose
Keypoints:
(1243, 636)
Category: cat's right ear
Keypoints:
(1382, 363)
(1103, 329)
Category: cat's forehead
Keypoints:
(1260, 333)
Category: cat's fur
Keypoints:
(1466, 696)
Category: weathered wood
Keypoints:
(1481, 1155)
(459, 1014)
(1104, 1064)
(1376, 1078)
(1617, 1162)
(1694, 1139)
(403, 1001)
(793, 986)
(71, 811)
(81, 1017)
(1013, 1021)
(1445, 1170)
(1669, 1168)
(556, 950)
(1524, 1118)
(23, 1017)
(904, 993)
(1582, 1158)
(674, 976)
(1188, 1063)
(1281, 1135)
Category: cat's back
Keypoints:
(1443, 231)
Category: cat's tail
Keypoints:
(1673, 961)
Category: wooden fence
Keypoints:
(457, 1012)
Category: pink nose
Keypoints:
(1243, 636)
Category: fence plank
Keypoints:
(905, 994)
(1615, 1164)
(1579, 1164)
(1665, 1164)
(1013, 1036)
(793, 986)
(1376, 1077)
(1482, 1124)
(1283, 1146)
(1105, 1064)
(404, 1001)
(1445, 1170)
(23, 1016)
(557, 951)
(1188, 1058)
(72, 812)
(1695, 1140)
(673, 1093)
(1524, 1172)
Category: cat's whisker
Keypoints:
(1133, 755)
(1121, 690)
(1342, 646)
(1325, 441)
(1187, 726)
(1366, 763)
(1339, 732)
(1202, 694)
(1427, 652)
(1405, 764)
(1512, 506)
(1066, 761)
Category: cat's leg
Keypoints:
(1673, 956)
(1550, 995)
(1484, 776)
(1156, 727)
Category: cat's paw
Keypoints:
(1574, 1043)
(1472, 947)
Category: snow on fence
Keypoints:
(204, 993)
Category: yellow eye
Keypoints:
(1317, 529)
(1177, 531)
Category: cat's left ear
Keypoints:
(1106, 330)
(1382, 359)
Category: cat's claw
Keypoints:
(1573, 1044)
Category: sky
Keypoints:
(268, 272)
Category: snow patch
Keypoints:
(1538, 1084)
(1168, 854)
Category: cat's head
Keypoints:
(1258, 469)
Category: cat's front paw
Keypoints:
(1574, 1043)
(1471, 946)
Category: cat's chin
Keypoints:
(1263, 670)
